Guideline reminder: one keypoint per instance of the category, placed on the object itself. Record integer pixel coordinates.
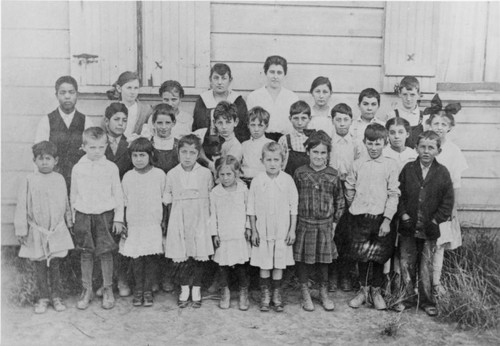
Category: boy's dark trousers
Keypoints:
(144, 273)
(416, 254)
(51, 274)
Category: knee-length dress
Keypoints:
(143, 196)
(228, 216)
(272, 201)
(188, 231)
(454, 160)
(321, 203)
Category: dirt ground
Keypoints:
(166, 324)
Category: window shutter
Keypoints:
(103, 42)
(410, 43)
(176, 36)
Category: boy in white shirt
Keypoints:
(97, 205)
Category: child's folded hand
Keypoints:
(216, 241)
(118, 227)
(385, 228)
(255, 238)
(248, 234)
(22, 239)
(290, 238)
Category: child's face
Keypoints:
(275, 75)
(318, 156)
(45, 163)
(321, 95)
(188, 154)
(300, 121)
(129, 91)
(140, 160)
(226, 176)
(409, 98)
(272, 161)
(66, 95)
(441, 125)
(368, 107)
(398, 136)
(163, 125)
(172, 99)
(95, 148)
(117, 124)
(220, 84)
(342, 123)
(225, 127)
(375, 147)
(427, 150)
(257, 128)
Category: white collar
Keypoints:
(64, 115)
(209, 99)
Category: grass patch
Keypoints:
(471, 278)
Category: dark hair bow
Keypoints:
(437, 106)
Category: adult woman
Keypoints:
(220, 79)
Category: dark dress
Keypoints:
(68, 142)
(206, 104)
(167, 159)
(321, 203)
(296, 158)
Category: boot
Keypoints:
(278, 304)
(243, 303)
(108, 299)
(85, 299)
(265, 298)
(325, 300)
(225, 298)
(307, 303)
(346, 284)
(378, 301)
(123, 289)
(360, 298)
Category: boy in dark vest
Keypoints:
(64, 127)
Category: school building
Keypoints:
(453, 49)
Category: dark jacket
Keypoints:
(122, 158)
(432, 196)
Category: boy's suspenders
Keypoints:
(420, 119)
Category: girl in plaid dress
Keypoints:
(321, 203)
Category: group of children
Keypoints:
(321, 192)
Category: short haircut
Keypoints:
(375, 132)
(410, 83)
(68, 80)
(144, 145)
(341, 108)
(272, 147)
(299, 107)
(114, 108)
(431, 135)
(221, 69)
(260, 114)
(171, 85)
(443, 114)
(317, 138)
(44, 148)
(94, 133)
(321, 81)
(126, 77)
(230, 161)
(275, 60)
(398, 121)
(163, 109)
(226, 110)
(369, 93)
(190, 139)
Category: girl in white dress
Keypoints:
(144, 191)
(442, 121)
(272, 207)
(228, 204)
(189, 235)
